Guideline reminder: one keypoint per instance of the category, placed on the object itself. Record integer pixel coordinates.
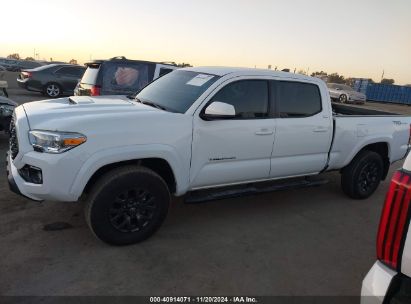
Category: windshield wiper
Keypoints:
(151, 104)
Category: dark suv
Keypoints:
(52, 80)
(119, 76)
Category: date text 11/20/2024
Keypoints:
(203, 300)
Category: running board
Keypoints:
(201, 196)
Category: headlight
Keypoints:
(6, 110)
(55, 142)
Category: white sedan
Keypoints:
(345, 94)
(389, 279)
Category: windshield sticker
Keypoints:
(199, 80)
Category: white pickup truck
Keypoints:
(193, 129)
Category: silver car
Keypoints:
(345, 94)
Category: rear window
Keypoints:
(90, 76)
(119, 77)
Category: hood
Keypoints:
(77, 107)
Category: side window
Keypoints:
(71, 71)
(164, 71)
(249, 98)
(63, 71)
(296, 99)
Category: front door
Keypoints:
(234, 150)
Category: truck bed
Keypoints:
(351, 110)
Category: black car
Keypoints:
(120, 76)
(52, 80)
(6, 111)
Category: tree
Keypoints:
(73, 61)
(14, 56)
(387, 81)
(30, 58)
(184, 65)
(319, 74)
(335, 78)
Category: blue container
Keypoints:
(386, 93)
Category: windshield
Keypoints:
(177, 90)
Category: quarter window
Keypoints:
(296, 99)
(249, 98)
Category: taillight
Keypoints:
(95, 91)
(394, 222)
(26, 74)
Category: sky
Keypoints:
(356, 38)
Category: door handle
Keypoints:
(320, 129)
(264, 132)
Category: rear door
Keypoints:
(68, 77)
(303, 129)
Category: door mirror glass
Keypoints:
(219, 109)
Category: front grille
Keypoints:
(13, 142)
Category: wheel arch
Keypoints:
(162, 159)
(383, 149)
(158, 165)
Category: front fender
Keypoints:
(105, 157)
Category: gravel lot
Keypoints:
(312, 241)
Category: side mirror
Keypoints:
(338, 89)
(218, 110)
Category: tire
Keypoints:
(52, 90)
(127, 205)
(363, 175)
(343, 98)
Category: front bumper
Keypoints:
(59, 171)
(376, 284)
(12, 183)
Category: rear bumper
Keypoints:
(29, 84)
(376, 284)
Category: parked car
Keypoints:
(26, 64)
(119, 76)
(7, 107)
(345, 94)
(389, 279)
(52, 80)
(189, 130)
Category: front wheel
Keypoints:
(343, 98)
(127, 205)
(363, 175)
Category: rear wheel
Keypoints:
(363, 175)
(127, 205)
(52, 90)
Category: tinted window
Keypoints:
(249, 98)
(124, 77)
(71, 71)
(164, 71)
(297, 99)
(177, 91)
